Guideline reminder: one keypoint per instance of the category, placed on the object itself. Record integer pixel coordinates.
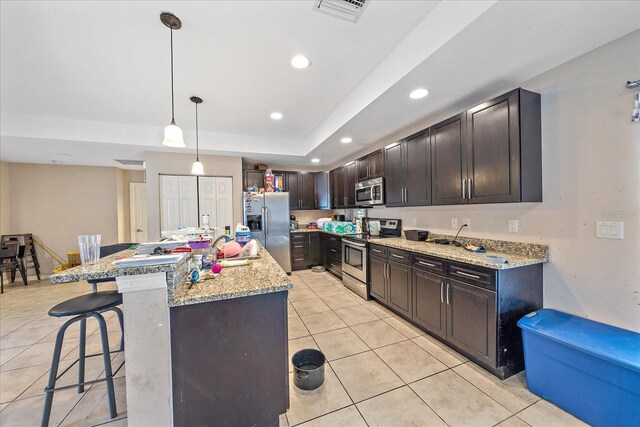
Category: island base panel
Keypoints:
(229, 361)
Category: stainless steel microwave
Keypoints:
(370, 192)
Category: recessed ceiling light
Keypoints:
(276, 116)
(300, 62)
(346, 140)
(315, 160)
(418, 93)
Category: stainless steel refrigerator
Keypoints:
(267, 216)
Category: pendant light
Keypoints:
(172, 133)
(197, 168)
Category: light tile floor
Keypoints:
(381, 371)
(27, 336)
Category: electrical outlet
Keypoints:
(454, 223)
(466, 221)
(513, 225)
(413, 222)
(610, 230)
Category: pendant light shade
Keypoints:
(172, 133)
(197, 168)
(173, 136)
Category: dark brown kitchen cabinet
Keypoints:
(322, 190)
(305, 250)
(332, 253)
(408, 171)
(300, 186)
(337, 180)
(293, 187)
(371, 166)
(351, 177)
(471, 320)
(490, 153)
(504, 149)
(393, 175)
(429, 309)
(253, 178)
(449, 161)
(378, 278)
(400, 295)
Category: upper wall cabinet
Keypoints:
(322, 190)
(337, 183)
(408, 171)
(492, 153)
(371, 166)
(351, 178)
(301, 190)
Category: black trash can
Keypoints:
(308, 368)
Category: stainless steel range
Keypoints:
(355, 254)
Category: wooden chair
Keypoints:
(9, 262)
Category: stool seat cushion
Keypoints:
(96, 301)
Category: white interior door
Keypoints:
(138, 211)
(224, 201)
(169, 202)
(188, 201)
(208, 198)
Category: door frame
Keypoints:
(133, 202)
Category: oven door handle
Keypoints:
(360, 245)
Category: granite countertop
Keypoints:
(522, 254)
(261, 276)
(317, 230)
(105, 269)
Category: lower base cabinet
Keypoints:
(429, 309)
(305, 250)
(477, 318)
(471, 320)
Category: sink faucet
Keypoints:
(222, 236)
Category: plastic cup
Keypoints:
(89, 248)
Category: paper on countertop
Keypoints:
(147, 260)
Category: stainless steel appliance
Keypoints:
(370, 192)
(267, 216)
(355, 254)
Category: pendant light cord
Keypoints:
(173, 118)
(197, 141)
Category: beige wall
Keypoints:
(591, 172)
(5, 203)
(58, 203)
(305, 217)
(180, 164)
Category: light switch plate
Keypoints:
(513, 225)
(467, 221)
(610, 230)
(454, 223)
(413, 222)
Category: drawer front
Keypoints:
(426, 263)
(333, 251)
(400, 256)
(334, 265)
(298, 237)
(483, 277)
(332, 238)
(298, 253)
(298, 245)
(378, 250)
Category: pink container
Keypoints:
(200, 244)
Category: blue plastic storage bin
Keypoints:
(589, 369)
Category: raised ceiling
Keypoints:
(91, 79)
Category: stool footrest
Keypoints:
(77, 360)
(65, 387)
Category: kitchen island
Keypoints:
(212, 354)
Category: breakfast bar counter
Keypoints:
(216, 352)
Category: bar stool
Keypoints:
(81, 308)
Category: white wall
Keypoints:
(5, 211)
(591, 172)
(180, 164)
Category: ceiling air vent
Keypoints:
(345, 9)
(131, 162)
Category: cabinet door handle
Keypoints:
(464, 187)
(426, 263)
(469, 188)
(441, 292)
(298, 246)
(447, 294)
(376, 250)
(473, 276)
(397, 256)
(406, 195)
(333, 250)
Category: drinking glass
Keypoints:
(89, 248)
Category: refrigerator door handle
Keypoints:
(265, 224)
